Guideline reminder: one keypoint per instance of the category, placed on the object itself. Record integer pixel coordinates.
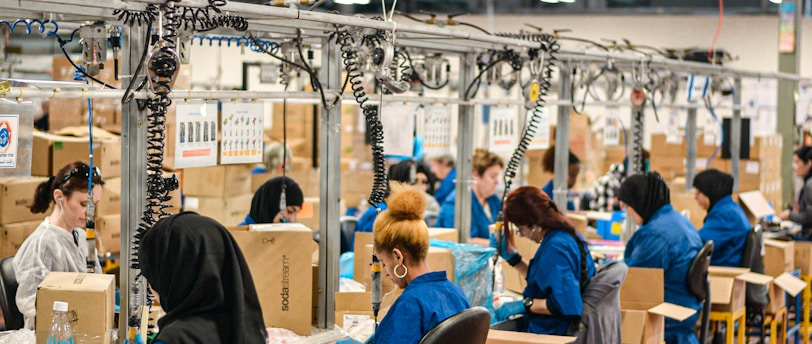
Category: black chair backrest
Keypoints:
(698, 272)
(8, 294)
(756, 295)
(347, 232)
(469, 326)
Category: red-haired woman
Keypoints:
(560, 267)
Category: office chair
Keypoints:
(347, 232)
(699, 285)
(8, 293)
(469, 326)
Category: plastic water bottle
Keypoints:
(61, 332)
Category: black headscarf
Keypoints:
(645, 193)
(715, 184)
(203, 282)
(265, 204)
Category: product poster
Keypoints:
(541, 140)
(437, 130)
(9, 131)
(611, 130)
(241, 140)
(398, 128)
(196, 135)
(672, 134)
(502, 129)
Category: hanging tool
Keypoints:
(94, 46)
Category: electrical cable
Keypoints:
(712, 49)
(417, 75)
(81, 70)
(129, 93)
(28, 22)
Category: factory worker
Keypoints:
(557, 272)
(265, 206)
(443, 168)
(59, 243)
(485, 204)
(801, 212)
(726, 223)
(202, 281)
(665, 240)
(401, 242)
(548, 164)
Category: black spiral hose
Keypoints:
(550, 46)
(349, 55)
(636, 153)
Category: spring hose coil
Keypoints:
(637, 144)
(201, 19)
(349, 56)
(550, 46)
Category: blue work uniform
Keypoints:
(727, 225)
(446, 186)
(670, 242)
(366, 221)
(248, 221)
(427, 300)
(548, 189)
(479, 220)
(554, 274)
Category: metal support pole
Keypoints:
(690, 148)
(736, 133)
(133, 169)
(788, 62)
(329, 230)
(465, 152)
(562, 140)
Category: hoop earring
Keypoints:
(405, 271)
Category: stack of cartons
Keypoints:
(16, 220)
(221, 192)
(642, 309)
(55, 151)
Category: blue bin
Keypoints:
(610, 230)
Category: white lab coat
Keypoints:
(49, 248)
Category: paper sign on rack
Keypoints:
(9, 132)
(196, 139)
(541, 140)
(398, 128)
(437, 130)
(502, 129)
(241, 135)
(611, 131)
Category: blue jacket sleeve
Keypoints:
(559, 280)
(646, 250)
(445, 219)
(401, 324)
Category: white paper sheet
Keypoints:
(9, 133)
(502, 131)
(611, 130)
(541, 140)
(398, 128)
(437, 130)
(241, 139)
(196, 137)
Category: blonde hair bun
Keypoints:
(406, 202)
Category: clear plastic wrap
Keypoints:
(472, 271)
(22, 336)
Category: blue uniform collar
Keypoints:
(724, 200)
(660, 212)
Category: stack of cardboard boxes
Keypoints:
(221, 192)
(16, 220)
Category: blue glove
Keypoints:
(503, 250)
(508, 309)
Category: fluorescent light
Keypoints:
(567, 1)
(550, 1)
(775, 1)
(352, 2)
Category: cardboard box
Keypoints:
(108, 233)
(355, 307)
(355, 185)
(16, 196)
(755, 205)
(580, 222)
(779, 257)
(643, 309)
(110, 202)
(279, 256)
(446, 234)
(512, 279)
(728, 287)
(91, 304)
(218, 181)
(106, 154)
(42, 165)
(441, 259)
(309, 215)
(12, 235)
(511, 337)
(226, 210)
(785, 283)
(803, 257)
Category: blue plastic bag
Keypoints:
(472, 271)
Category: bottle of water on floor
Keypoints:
(61, 332)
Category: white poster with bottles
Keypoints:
(502, 129)
(437, 130)
(611, 129)
(541, 139)
(241, 136)
(195, 135)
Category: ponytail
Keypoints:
(43, 196)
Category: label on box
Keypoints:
(242, 133)
(752, 167)
(196, 139)
(354, 320)
(9, 130)
(192, 202)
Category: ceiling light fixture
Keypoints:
(352, 2)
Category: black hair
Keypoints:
(548, 161)
(805, 154)
(401, 172)
(44, 194)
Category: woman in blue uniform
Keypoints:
(548, 164)
(559, 269)
(443, 168)
(485, 205)
(801, 212)
(401, 242)
(726, 223)
(666, 240)
(266, 204)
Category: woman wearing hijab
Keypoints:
(265, 206)
(401, 241)
(801, 212)
(726, 223)
(558, 271)
(178, 254)
(665, 240)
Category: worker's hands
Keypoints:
(508, 309)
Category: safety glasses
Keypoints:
(83, 171)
